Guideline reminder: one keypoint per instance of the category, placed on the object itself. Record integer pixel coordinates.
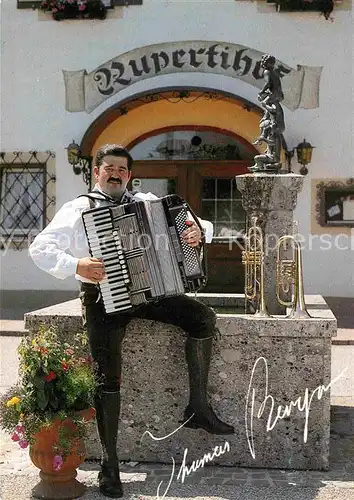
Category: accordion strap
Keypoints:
(95, 196)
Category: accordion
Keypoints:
(143, 253)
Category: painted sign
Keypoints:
(85, 91)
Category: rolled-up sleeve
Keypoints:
(52, 250)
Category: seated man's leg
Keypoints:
(198, 321)
(105, 333)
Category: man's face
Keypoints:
(113, 175)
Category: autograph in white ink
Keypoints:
(184, 470)
(303, 403)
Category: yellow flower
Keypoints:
(13, 401)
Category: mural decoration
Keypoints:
(85, 91)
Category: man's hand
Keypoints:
(91, 269)
(192, 235)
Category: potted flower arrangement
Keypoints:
(50, 407)
(75, 9)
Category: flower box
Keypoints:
(75, 9)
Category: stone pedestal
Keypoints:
(269, 357)
(271, 198)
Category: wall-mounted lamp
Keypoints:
(304, 155)
(81, 164)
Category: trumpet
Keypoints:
(253, 260)
(289, 278)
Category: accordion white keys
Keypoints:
(143, 253)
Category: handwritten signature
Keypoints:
(184, 470)
(302, 403)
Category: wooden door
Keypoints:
(213, 194)
(210, 189)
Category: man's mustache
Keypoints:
(114, 179)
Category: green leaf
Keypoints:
(42, 399)
(38, 382)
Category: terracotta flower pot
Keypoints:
(58, 484)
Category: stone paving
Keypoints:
(15, 463)
(141, 481)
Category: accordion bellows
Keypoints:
(144, 256)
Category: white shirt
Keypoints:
(58, 248)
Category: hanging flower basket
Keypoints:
(75, 9)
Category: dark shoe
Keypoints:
(109, 482)
(207, 420)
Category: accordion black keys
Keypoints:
(143, 253)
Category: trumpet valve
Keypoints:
(251, 257)
(286, 270)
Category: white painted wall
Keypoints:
(34, 115)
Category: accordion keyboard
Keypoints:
(105, 244)
(190, 259)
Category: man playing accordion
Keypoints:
(62, 250)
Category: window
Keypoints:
(191, 145)
(335, 205)
(222, 205)
(27, 196)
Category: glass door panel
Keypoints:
(221, 204)
(213, 191)
(158, 186)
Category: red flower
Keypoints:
(65, 366)
(51, 376)
(69, 351)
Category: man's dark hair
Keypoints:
(113, 150)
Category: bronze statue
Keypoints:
(272, 123)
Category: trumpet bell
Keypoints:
(290, 276)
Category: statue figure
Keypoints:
(272, 123)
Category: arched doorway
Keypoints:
(195, 148)
(200, 164)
